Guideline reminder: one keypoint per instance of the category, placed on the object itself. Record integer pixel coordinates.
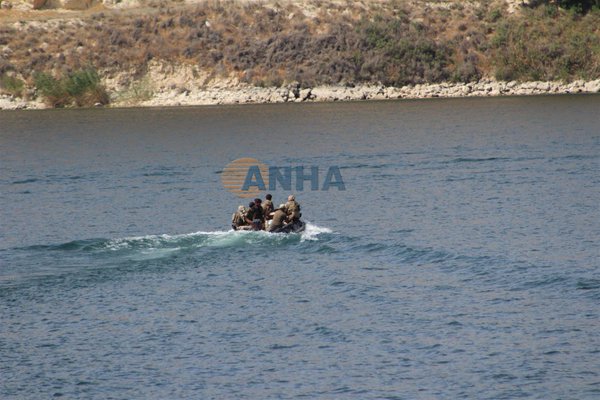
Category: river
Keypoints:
(460, 261)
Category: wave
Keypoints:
(169, 243)
(100, 258)
(49, 179)
(24, 181)
(474, 159)
(206, 244)
(588, 284)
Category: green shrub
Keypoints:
(79, 82)
(579, 6)
(400, 52)
(81, 88)
(467, 70)
(495, 15)
(500, 37)
(551, 10)
(85, 89)
(541, 47)
(51, 89)
(11, 85)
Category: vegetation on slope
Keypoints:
(270, 44)
(81, 88)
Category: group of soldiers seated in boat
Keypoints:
(261, 215)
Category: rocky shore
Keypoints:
(293, 93)
(243, 94)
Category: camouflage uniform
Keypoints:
(238, 218)
(255, 215)
(267, 208)
(293, 210)
(278, 220)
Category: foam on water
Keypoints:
(229, 238)
(313, 231)
(166, 243)
(77, 256)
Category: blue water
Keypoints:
(461, 261)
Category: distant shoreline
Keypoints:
(294, 94)
(169, 53)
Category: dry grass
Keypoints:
(319, 43)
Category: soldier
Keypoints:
(255, 216)
(268, 206)
(238, 219)
(279, 217)
(293, 209)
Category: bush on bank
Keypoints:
(547, 45)
(11, 85)
(80, 88)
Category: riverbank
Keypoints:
(295, 94)
(211, 52)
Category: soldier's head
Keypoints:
(268, 196)
(291, 197)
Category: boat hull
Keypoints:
(294, 227)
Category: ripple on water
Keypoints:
(466, 268)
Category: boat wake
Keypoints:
(95, 255)
(164, 244)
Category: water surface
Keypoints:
(462, 261)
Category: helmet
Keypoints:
(282, 206)
(241, 209)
